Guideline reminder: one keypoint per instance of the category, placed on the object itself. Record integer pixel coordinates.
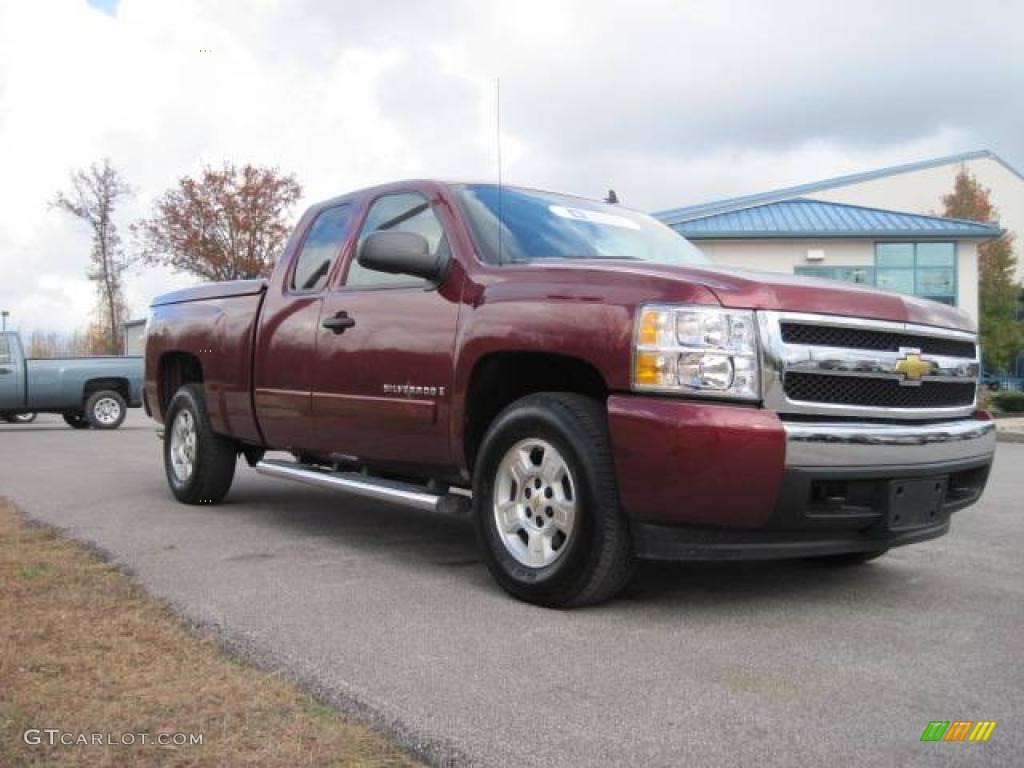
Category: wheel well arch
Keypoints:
(501, 378)
(174, 371)
(113, 383)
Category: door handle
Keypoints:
(339, 322)
(5, 370)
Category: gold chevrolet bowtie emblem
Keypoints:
(913, 367)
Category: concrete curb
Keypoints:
(1006, 436)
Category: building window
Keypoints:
(859, 275)
(920, 269)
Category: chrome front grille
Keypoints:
(837, 366)
(863, 338)
(869, 393)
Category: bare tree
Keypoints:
(93, 197)
(227, 224)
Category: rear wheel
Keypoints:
(105, 409)
(546, 504)
(76, 420)
(22, 418)
(199, 463)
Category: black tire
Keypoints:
(214, 456)
(76, 420)
(598, 558)
(8, 418)
(23, 418)
(105, 409)
(846, 559)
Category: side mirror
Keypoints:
(401, 253)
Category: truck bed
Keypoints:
(216, 324)
(58, 382)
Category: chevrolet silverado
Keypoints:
(577, 378)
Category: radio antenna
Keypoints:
(497, 121)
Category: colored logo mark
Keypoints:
(958, 730)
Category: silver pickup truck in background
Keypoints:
(87, 391)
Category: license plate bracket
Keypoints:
(916, 502)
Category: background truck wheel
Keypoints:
(20, 418)
(76, 420)
(847, 558)
(105, 409)
(546, 505)
(200, 464)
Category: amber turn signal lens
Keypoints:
(650, 324)
(648, 368)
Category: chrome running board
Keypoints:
(367, 487)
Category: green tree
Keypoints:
(1002, 336)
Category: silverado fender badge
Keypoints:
(412, 390)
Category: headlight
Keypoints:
(702, 351)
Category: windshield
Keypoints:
(541, 225)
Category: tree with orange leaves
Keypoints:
(1002, 336)
(227, 224)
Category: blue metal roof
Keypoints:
(819, 219)
(677, 215)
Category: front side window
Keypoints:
(541, 225)
(327, 235)
(403, 212)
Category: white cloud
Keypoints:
(670, 103)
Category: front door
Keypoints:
(384, 354)
(285, 355)
(11, 395)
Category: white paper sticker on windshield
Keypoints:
(593, 217)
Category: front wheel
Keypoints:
(546, 503)
(105, 409)
(199, 463)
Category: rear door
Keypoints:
(12, 379)
(286, 342)
(383, 383)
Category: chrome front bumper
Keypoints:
(838, 444)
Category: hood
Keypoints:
(749, 289)
(796, 293)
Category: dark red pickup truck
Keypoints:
(578, 379)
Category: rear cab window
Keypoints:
(324, 241)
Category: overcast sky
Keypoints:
(670, 102)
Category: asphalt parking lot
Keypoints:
(390, 614)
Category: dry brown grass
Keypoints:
(83, 650)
